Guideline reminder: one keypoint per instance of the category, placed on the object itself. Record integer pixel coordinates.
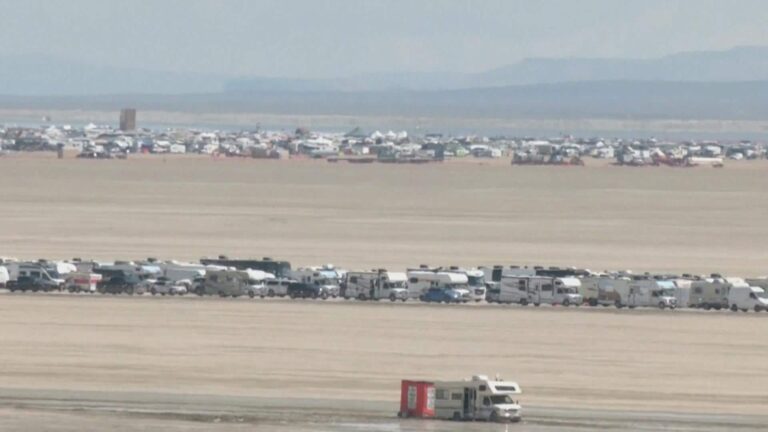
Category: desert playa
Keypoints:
(79, 362)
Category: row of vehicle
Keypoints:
(505, 285)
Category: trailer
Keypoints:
(478, 398)
(85, 282)
(709, 293)
(375, 285)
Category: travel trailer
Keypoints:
(84, 282)
(375, 285)
(709, 293)
(281, 269)
(745, 298)
(478, 398)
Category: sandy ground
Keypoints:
(361, 216)
(129, 364)
(270, 362)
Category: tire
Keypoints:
(392, 298)
(456, 416)
(566, 302)
(734, 308)
(537, 304)
(221, 294)
(524, 302)
(251, 294)
(758, 308)
(153, 291)
(618, 304)
(271, 293)
(718, 307)
(662, 306)
(404, 300)
(361, 297)
(593, 302)
(707, 307)
(494, 418)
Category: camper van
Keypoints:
(745, 298)
(539, 290)
(478, 398)
(33, 270)
(422, 280)
(375, 285)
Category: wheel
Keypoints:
(734, 308)
(718, 307)
(361, 297)
(324, 296)
(271, 293)
(662, 306)
(524, 302)
(758, 308)
(567, 302)
(251, 294)
(494, 417)
(222, 294)
(593, 302)
(200, 291)
(537, 304)
(404, 300)
(456, 416)
(392, 298)
(707, 307)
(618, 304)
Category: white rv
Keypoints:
(539, 290)
(647, 293)
(421, 280)
(225, 283)
(478, 399)
(475, 282)
(36, 270)
(376, 285)
(327, 277)
(745, 297)
(601, 290)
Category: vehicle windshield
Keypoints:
(457, 286)
(255, 282)
(567, 290)
(762, 294)
(476, 281)
(325, 281)
(501, 399)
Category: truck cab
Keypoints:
(747, 298)
(478, 398)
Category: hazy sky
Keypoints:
(317, 38)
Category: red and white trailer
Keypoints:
(417, 399)
(82, 282)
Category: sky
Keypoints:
(331, 38)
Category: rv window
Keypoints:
(456, 396)
(482, 387)
(752, 296)
(353, 279)
(521, 283)
(506, 388)
(486, 401)
(697, 290)
(35, 274)
(413, 280)
(441, 394)
(546, 287)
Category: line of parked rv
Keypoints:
(524, 286)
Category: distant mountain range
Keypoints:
(698, 85)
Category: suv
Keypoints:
(306, 290)
(117, 282)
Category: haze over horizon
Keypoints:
(323, 39)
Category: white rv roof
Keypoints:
(397, 276)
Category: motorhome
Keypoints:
(375, 285)
(421, 280)
(327, 277)
(647, 292)
(478, 398)
(709, 293)
(745, 298)
(281, 269)
(475, 282)
(539, 290)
